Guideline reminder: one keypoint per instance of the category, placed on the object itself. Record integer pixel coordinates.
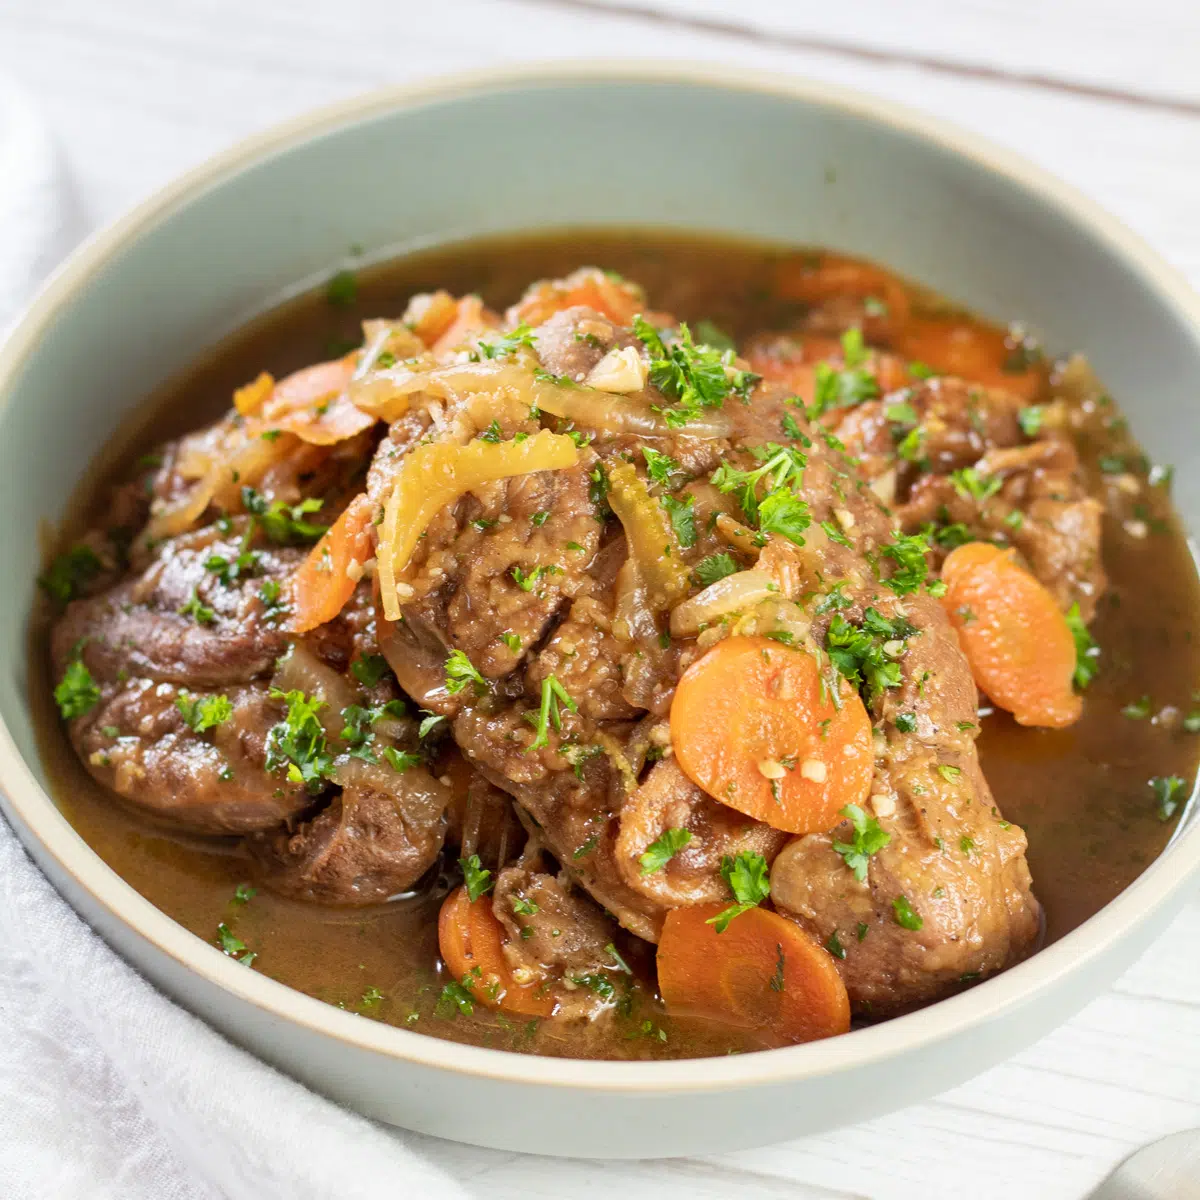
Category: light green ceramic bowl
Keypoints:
(570, 145)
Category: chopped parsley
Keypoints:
(476, 877)
(663, 849)
(284, 523)
(905, 916)
(1030, 420)
(715, 566)
(971, 485)
(493, 433)
(920, 370)
(369, 669)
(1170, 791)
(1138, 710)
(233, 945)
(77, 692)
(1087, 653)
(834, 946)
(660, 467)
(460, 671)
(243, 894)
(527, 582)
(781, 466)
(906, 722)
(784, 513)
(455, 998)
(197, 610)
(869, 838)
(516, 339)
(834, 534)
(850, 386)
(865, 655)
(711, 334)
(204, 712)
(553, 693)
(298, 741)
(747, 878)
(912, 569)
(511, 641)
(682, 514)
(70, 573)
(401, 760)
(693, 375)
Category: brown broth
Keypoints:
(1081, 794)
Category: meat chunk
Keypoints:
(669, 800)
(949, 898)
(374, 840)
(136, 742)
(180, 621)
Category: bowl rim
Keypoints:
(859, 1049)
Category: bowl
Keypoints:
(689, 147)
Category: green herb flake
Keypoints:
(715, 566)
(746, 875)
(204, 712)
(869, 838)
(70, 573)
(298, 741)
(1087, 653)
(77, 692)
(476, 877)
(663, 849)
(905, 916)
(1170, 792)
(460, 672)
(342, 289)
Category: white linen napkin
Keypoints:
(108, 1090)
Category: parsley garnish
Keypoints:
(1138, 710)
(401, 760)
(780, 465)
(715, 566)
(746, 876)
(204, 712)
(971, 485)
(283, 523)
(77, 692)
(233, 945)
(1087, 653)
(243, 894)
(70, 573)
(519, 338)
(691, 374)
(848, 387)
(908, 553)
(553, 693)
(905, 916)
(784, 513)
(860, 653)
(660, 467)
(528, 582)
(683, 518)
(663, 849)
(477, 878)
(197, 610)
(455, 998)
(298, 741)
(460, 671)
(369, 669)
(906, 722)
(493, 433)
(869, 839)
(1171, 792)
(1030, 420)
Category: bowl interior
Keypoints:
(761, 162)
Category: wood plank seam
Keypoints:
(731, 28)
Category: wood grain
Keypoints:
(139, 90)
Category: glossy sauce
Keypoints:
(1081, 794)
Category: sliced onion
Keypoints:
(435, 475)
(302, 671)
(734, 593)
(652, 544)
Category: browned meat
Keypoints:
(574, 340)
(952, 859)
(374, 840)
(669, 800)
(481, 817)
(136, 742)
(178, 622)
(564, 934)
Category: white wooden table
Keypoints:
(1103, 92)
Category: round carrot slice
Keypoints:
(764, 972)
(755, 725)
(471, 940)
(1016, 639)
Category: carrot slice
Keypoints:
(313, 404)
(589, 288)
(829, 276)
(328, 576)
(956, 347)
(755, 725)
(1016, 639)
(764, 972)
(471, 940)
